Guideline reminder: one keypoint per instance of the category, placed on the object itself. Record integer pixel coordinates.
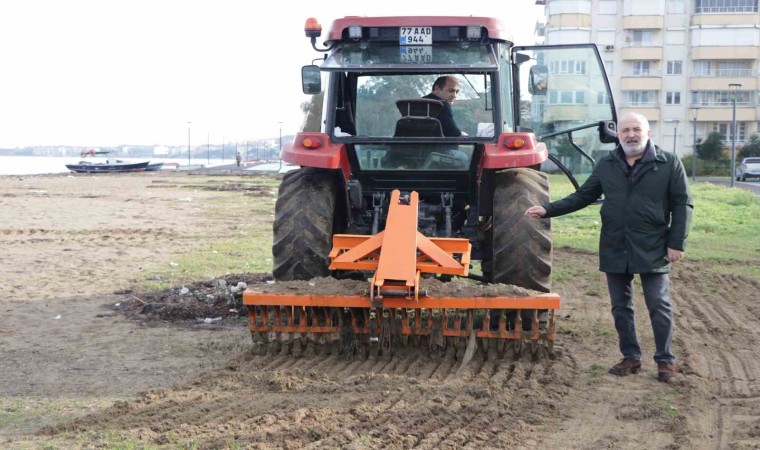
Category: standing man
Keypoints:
(645, 220)
(445, 89)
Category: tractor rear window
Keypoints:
(438, 157)
(377, 112)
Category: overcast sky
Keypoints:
(111, 72)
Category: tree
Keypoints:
(711, 149)
(376, 112)
(751, 148)
(312, 111)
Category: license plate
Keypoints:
(416, 35)
(414, 54)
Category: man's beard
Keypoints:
(634, 148)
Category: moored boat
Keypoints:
(108, 167)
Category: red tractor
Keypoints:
(371, 133)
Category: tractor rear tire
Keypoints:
(521, 246)
(303, 224)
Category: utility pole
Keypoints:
(733, 87)
(279, 155)
(188, 142)
(694, 153)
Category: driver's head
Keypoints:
(446, 87)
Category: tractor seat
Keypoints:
(419, 118)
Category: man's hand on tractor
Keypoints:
(535, 211)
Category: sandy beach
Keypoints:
(78, 372)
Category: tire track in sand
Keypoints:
(719, 337)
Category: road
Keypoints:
(752, 186)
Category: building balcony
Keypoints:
(725, 52)
(725, 19)
(569, 20)
(643, 22)
(652, 113)
(650, 53)
(640, 83)
(558, 113)
(720, 113)
(702, 83)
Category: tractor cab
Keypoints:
(373, 91)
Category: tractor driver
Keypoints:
(445, 89)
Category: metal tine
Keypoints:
(518, 324)
(405, 330)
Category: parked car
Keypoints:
(750, 167)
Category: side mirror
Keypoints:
(311, 79)
(608, 132)
(538, 80)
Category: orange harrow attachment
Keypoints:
(397, 308)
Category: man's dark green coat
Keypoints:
(641, 217)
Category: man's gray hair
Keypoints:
(638, 117)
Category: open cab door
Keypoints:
(564, 96)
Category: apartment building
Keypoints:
(680, 63)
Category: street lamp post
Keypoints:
(733, 88)
(280, 154)
(675, 132)
(694, 153)
(188, 142)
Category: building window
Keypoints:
(574, 67)
(566, 98)
(734, 69)
(673, 98)
(641, 68)
(607, 7)
(737, 68)
(675, 67)
(722, 98)
(724, 6)
(605, 38)
(641, 98)
(676, 7)
(608, 66)
(638, 38)
(675, 37)
(724, 128)
(602, 98)
(703, 68)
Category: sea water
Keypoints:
(38, 165)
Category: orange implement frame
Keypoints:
(398, 255)
(396, 305)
